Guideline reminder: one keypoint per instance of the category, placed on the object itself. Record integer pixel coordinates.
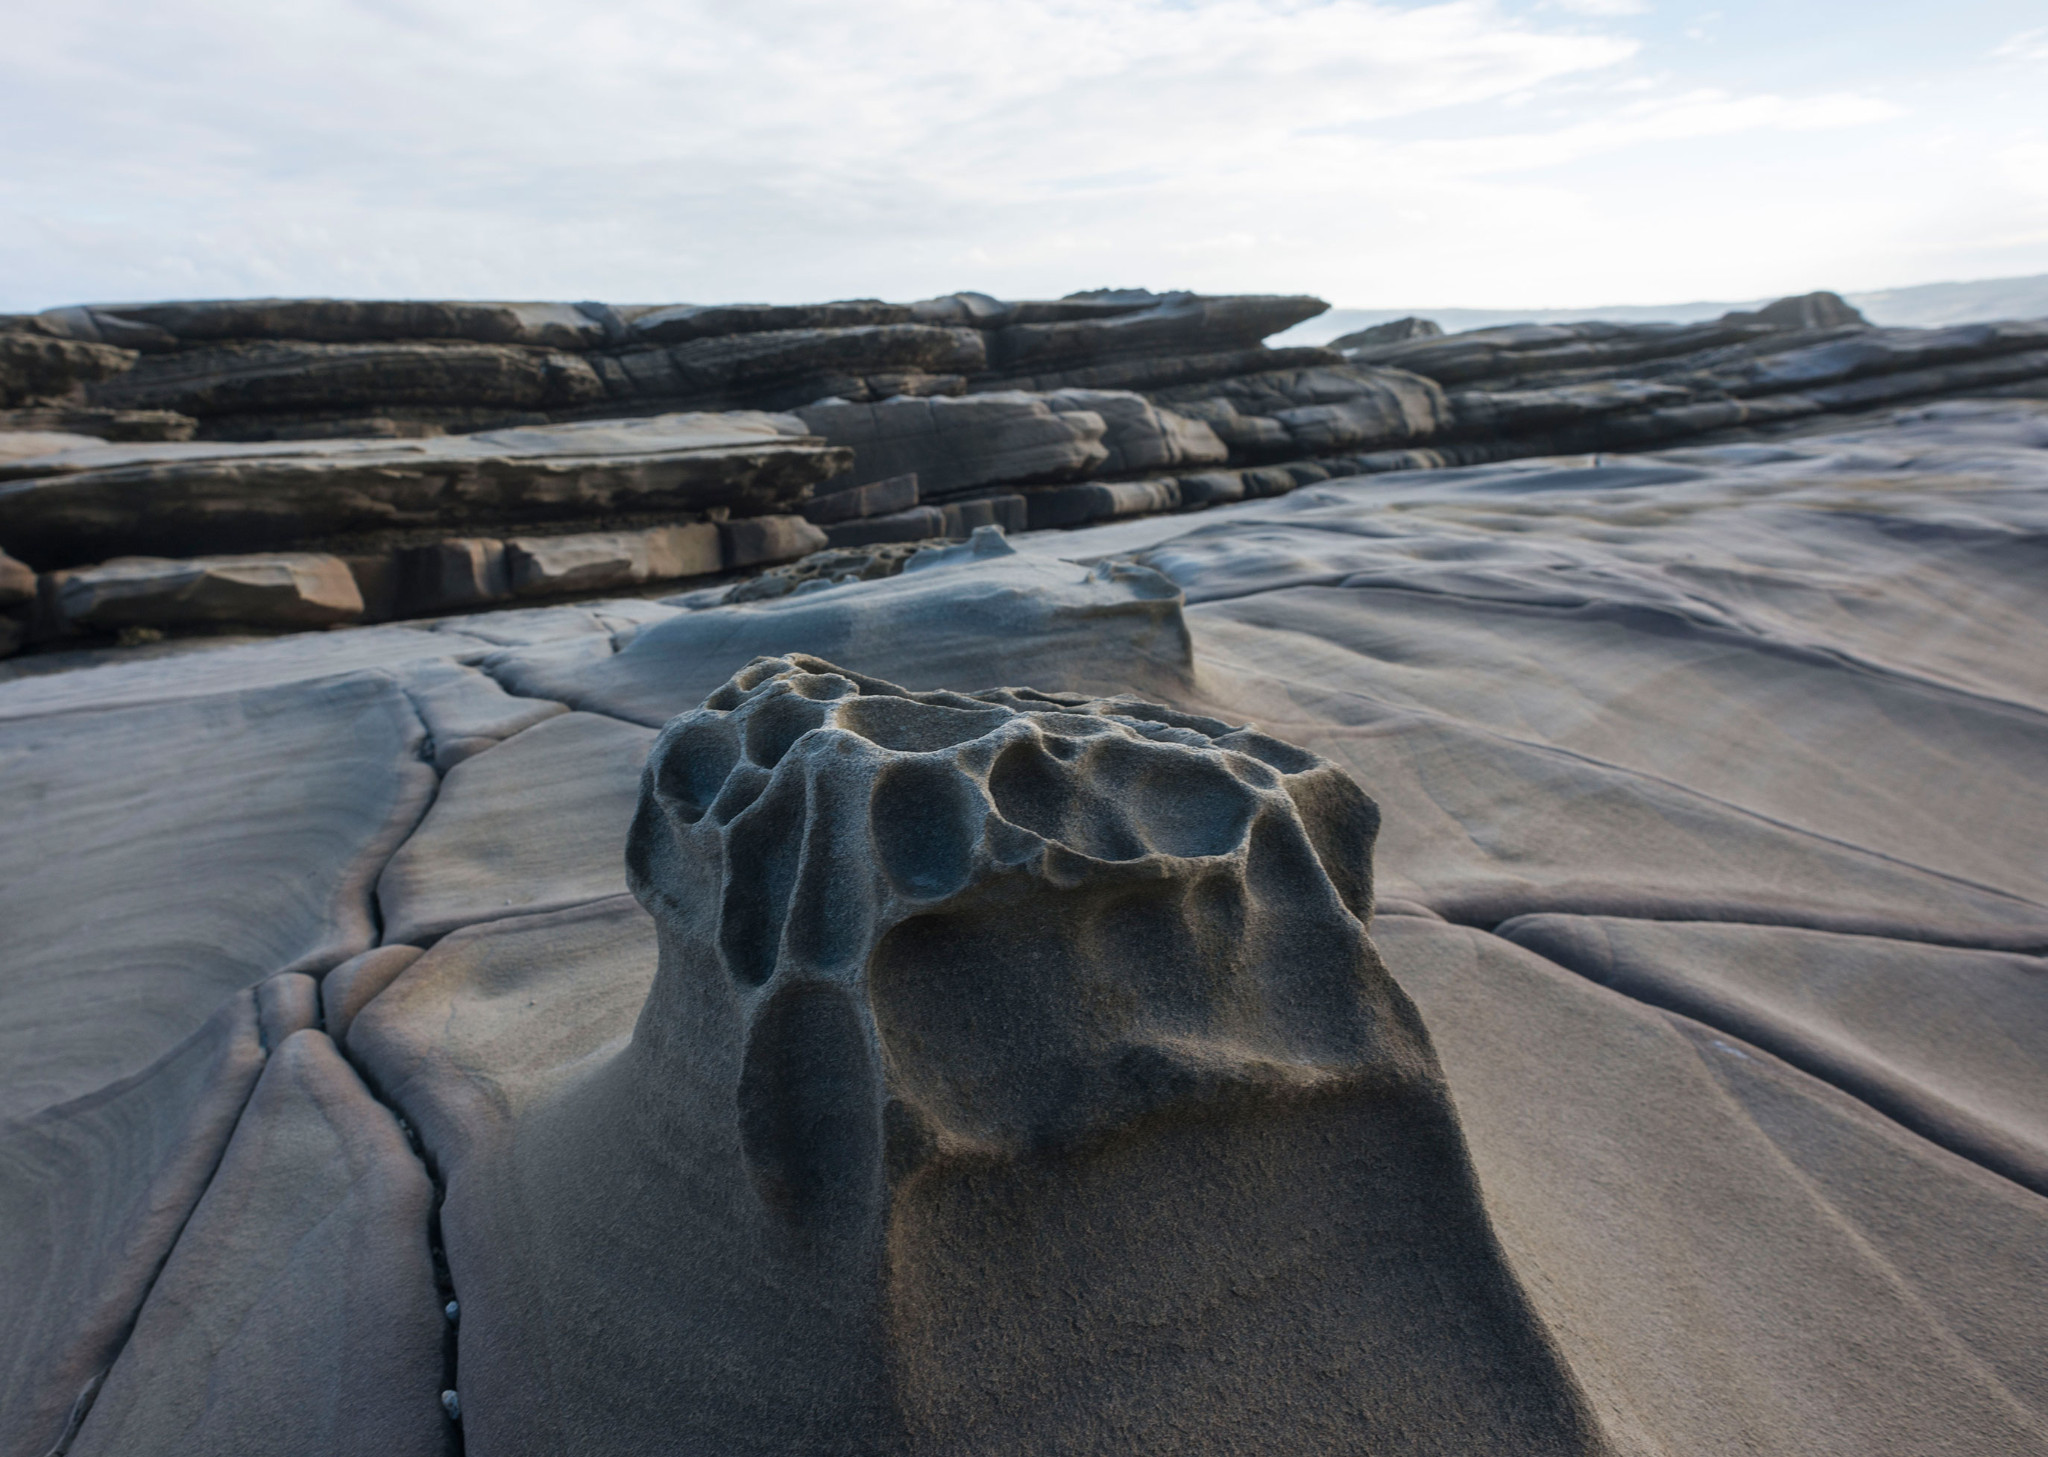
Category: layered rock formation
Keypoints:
(1028, 415)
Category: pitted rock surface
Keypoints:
(852, 851)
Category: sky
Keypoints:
(1553, 153)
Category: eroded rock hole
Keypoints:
(694, 767)
(910, 727)
(775, 725)
(926, 818)
(1038, 791)
(809, 1121)
(761, 852)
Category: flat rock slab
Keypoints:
(216, 840)
(533, 824)
(1731, 1227)
(279, 589)
(1948, 1043)
(86, 505)
(972, 615)
(298, 1312)
(93, 1192)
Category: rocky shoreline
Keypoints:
(275, 464)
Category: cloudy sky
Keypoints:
(1479, 152)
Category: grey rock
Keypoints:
(217, 838)
(1394, 331)
(1316, 411)
(35, 368)
(225, 379)
(955, 445)
(93, 1192)
(30, 444)
(1268, 481)
(1805, 311)
(1150, 372)
(1139, 435)
(343, 321)
(682, 322)
(452, 574)
(781, 368)
(751, 541)
(569, 781)
(101, 424)
(279, 589)
(876, 498)
(915, 524)
(465, 711)
(86, 505)
(354, 984)
(1537, 350)
(1936, 1038)
(1174, 323)
(1211, 488)
(597, 561)
(835, 565)
(1100, 500)
(17, 582)
(1110, 627)
(1004, 513)
(298, 1311)
(926, 1191)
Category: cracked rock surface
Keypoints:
(1005, 1068)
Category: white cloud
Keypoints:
(660, 149)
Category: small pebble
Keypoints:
(452, 1404)
(453, 1310)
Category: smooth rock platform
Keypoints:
(1538, 956)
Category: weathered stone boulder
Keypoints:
(86, 505)
(1101, 501)
(1394, 331)
(1017, 1074)
(17, 582)
(876, 498)
(679, 323)
(955, 445)
(280, 589)
(97, 424)
(1821, 310)
(781, 368)
(349, 321)
(1315, 411)
(1171, 323)
(454, 574)
(913, 523)
(1139, 435)
(281, 377)
(599, 560)
(36, 368)
(753, 540)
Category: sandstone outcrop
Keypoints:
(281, 589)
(82, 506)
(948, 985)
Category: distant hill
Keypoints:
(1923, 305)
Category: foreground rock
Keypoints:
(920, 1189)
